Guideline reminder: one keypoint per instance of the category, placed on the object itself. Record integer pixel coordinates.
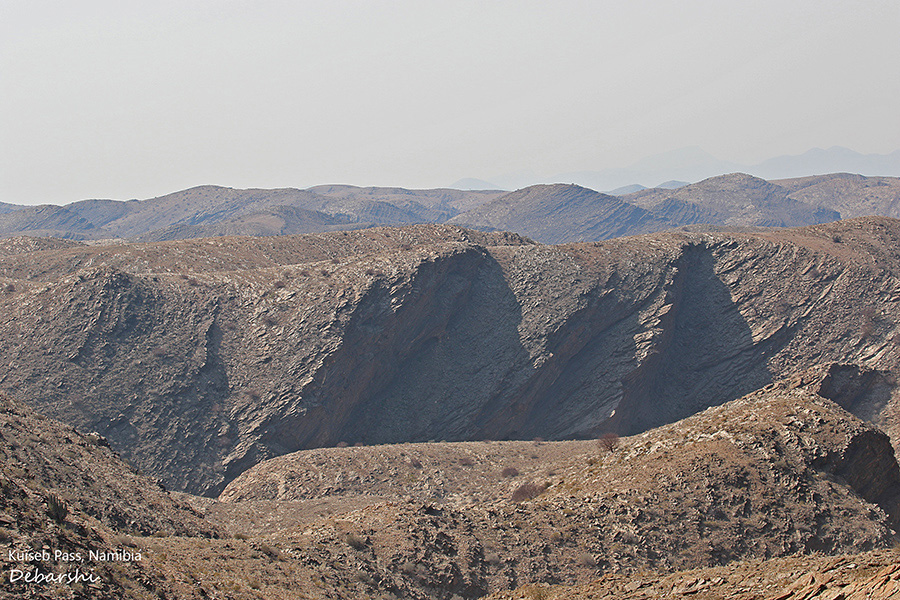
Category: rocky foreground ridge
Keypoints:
(198, 359)
(779, 492)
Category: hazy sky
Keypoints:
(133, 99)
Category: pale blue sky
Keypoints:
(119, 99)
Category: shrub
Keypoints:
(9, 288)
(57, 508)
(509, 472)
(466, 461)
(415, 463)
(278, 284)
(608, 441)
(527, 491)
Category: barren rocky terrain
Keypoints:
(781, 491)
(197, 359)
(437, 412)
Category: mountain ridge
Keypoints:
(199, 358)
(550, 213)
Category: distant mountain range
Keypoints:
(694, 164)
(555, 213)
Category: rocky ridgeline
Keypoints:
(198, 359)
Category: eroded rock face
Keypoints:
(198, 359)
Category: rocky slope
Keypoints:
(781, 472)
(850, 195)
(870, 576)
(752, 496)
(557, 213)
(63, 494)
(743, 200)
(198, 359)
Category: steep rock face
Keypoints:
(198, 359)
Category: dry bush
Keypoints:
(278, 284)
(355, 541)
(527, 491)
(509, 472)
(608, 442)
(466, 461)
(57, 508)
